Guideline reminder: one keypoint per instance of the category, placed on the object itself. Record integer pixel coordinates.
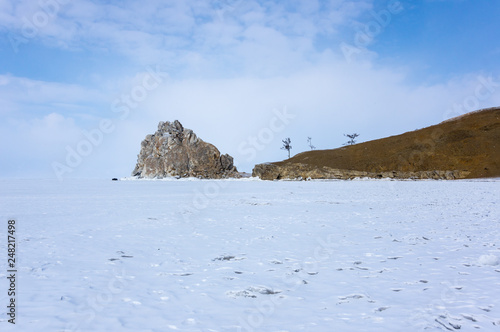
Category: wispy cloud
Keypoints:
(201, 31)
(23, 96)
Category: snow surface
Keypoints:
(97, 255)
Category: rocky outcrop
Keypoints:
(174, 151)
(463, 147)
(270, 171)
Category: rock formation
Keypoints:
(174, 151)
(303, 172)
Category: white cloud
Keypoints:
(24, 97)
(231, 63)
(42, 91)
(160, 32)
(328, 100)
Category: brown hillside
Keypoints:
(470, 142)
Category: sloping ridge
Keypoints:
(469, 143)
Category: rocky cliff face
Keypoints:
(175, 151)
(303, 172)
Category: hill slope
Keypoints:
(469, 144)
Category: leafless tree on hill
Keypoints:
(286, 145)
(309, 141)
(352, 139)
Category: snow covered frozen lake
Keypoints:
(248, 255)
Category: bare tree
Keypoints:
(352, 139)
(309, 141)
(286, 145)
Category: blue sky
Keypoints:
(230, 70)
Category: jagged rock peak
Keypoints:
(175, 151)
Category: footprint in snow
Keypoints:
(469, 317)
(362, 268)
(176, 274)
(253, 292)
(224, 258)
(354, 296)
(381, 309)
(228, 258)
(122, 254)
(448, 325)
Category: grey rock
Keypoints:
(174, 151)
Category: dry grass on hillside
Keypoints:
(470, 142)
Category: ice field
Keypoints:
(250, 255)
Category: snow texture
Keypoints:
(248, 255)
(489, 260)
